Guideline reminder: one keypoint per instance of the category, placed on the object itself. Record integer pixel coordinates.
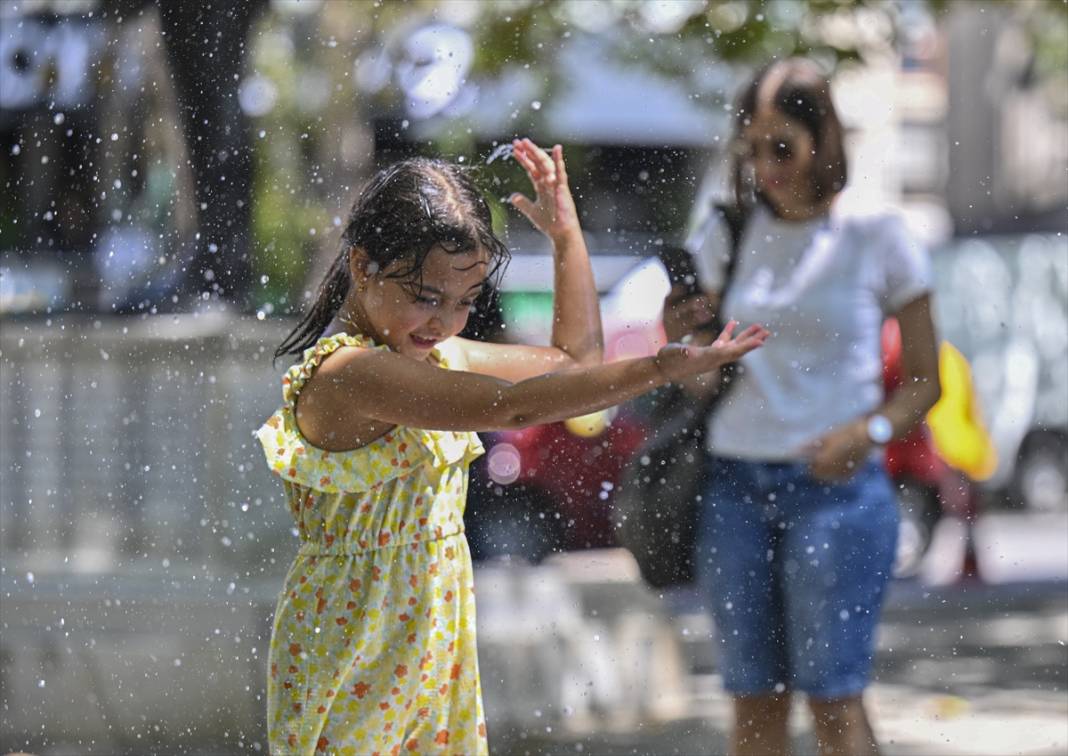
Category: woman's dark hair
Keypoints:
(803, 93)
(402, 213)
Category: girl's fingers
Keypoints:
(544, 163)
(522, 204)
(558, 161)
(725, 334)
(523, 158)
(752, 332)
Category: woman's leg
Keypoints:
(842, 727)
(737, 543)
(761, 725)
(837, 555)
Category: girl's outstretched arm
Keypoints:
(361, 387)
(577, 337)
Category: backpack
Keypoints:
(655, 509)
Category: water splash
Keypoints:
(503, 152)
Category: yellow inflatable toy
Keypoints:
(955, 421)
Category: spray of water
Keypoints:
(503, 152)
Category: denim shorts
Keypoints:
(795, 569)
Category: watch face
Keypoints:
(880, 430)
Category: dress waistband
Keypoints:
(319, 549)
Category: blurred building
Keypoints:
(1007, 122)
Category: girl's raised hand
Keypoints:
(552, 211)
(678, 361)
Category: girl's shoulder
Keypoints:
(400, 451)
(297, 376)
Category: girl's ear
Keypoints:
(359, 263)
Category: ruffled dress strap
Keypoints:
(397, 453)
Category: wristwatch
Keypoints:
(880, 429)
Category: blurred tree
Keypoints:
(339, 67)
(205, 44)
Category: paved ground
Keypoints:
(965, 670)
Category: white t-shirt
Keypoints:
(823, 288)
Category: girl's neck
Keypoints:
(348, 320)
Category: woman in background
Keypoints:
(799, 526)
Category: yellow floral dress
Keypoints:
(373, 645)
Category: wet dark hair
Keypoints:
(402, 213)
(804, 94)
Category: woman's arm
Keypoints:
(357, 386)
(920, 387)
(836, 455)
(577, 337)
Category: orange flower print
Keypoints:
(401, 670)
(455, 674)
(360, 689)
(413, 744)
(294, 649)
(482, 729)
(442, 738)
(383, 538)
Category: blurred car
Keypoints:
(1003, 301)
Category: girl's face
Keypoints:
(781, 151)
(413, 320)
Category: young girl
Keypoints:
(800, 521)
(373, 646)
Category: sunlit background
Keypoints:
(174, 176)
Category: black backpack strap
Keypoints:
(736, 218)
